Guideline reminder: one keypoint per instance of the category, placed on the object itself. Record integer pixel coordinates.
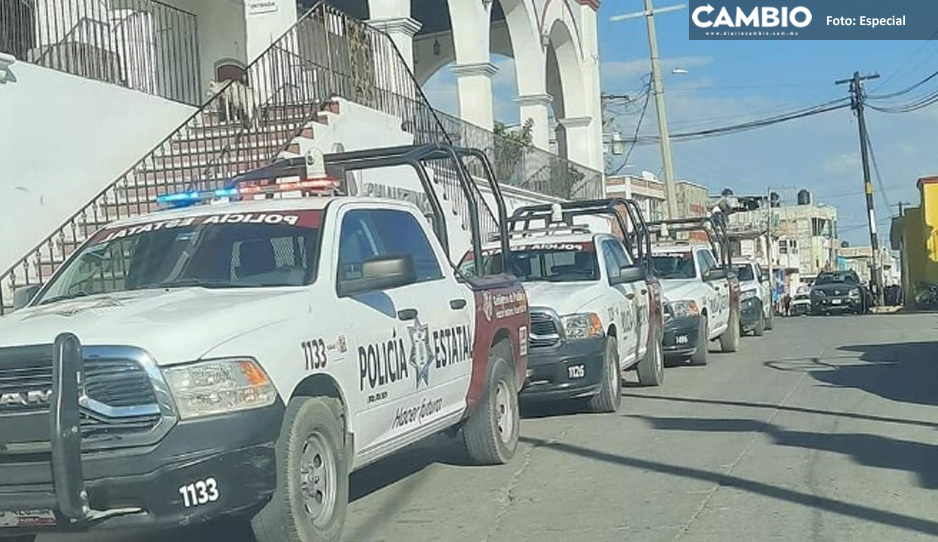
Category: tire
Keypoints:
(729, 341)
(491, 432)
(770, 321)
(651, 368)
(312, 432)
(759, 329)
(610, 394)
(702, 355)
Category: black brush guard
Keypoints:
(68, 498)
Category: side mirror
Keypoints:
(628, 275)
(764, 277)
(381, 273)
(716, 273)
(23, 295)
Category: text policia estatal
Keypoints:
(387, 362)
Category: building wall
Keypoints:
(64, 139)
(929, 194)
(692, 199)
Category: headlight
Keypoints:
(219, 386)
(582, 326)
(747, 294)
(855, 293)
(684, 309)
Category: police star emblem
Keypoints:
(420, 356)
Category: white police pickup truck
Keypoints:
(756, 314)
(238, 360)
(593, 312)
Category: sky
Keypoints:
(728, 82)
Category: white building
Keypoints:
(105, 102)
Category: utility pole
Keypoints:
(768, 246)
(657, 87)
(857, 99)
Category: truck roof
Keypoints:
(251, 206)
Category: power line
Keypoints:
(638, 127)
(879, 178)
(751, 125)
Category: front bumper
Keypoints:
(750, 311)
(200, 470)
(568, 370)
(836, 304)
(681, 336)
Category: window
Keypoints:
(793, 246)
(676, 265)
(567, 262)
(377, 232)
(705, 261)
(615, 257)
(783, 246)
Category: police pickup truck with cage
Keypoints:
(701, 290)
(239, 359)
(595, 311)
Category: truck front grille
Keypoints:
(544, 330)
(118, 395)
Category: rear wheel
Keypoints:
(702, 354)
(491, 433)
(651, 368)
(729, 341)
(610, 394)
(312, 476)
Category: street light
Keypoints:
(658, 89)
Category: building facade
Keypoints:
(915, 236)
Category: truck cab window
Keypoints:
(377, 232)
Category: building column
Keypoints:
(401, 31)
(474, 82)
(589, 43)
(577, 131)
(537, 108)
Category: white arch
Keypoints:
(570, 63)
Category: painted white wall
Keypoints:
(62, 140)
(265, 22)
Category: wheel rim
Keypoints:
(504, 412)
(659, 358)
(318, 476)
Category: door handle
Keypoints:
(457, 304)
(644, 291)
(630, 295)
(407, 314)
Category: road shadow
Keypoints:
(904, 372)
(866, 513)
(785, 408)
(866, 449)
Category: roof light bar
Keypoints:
(324, 186)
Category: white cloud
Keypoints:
(629, 72)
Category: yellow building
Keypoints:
(915, 235)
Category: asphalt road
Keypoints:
(824, 430)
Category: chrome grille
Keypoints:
(544, 330)
(109, 386)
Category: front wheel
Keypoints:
(491, 432)
(702, 354)
(729, 341)
(760, 327)
(610, 393)
(312, 476)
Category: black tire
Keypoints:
(651, 368)
(491, 432)
(770, 321)
(702, 355)
(610, 394)
(729, 340)
(759, 329)
(313, 432)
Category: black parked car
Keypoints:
(839, 291)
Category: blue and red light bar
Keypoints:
(325, 186)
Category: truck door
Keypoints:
(629, 304)
(442, 327)
(718, 293)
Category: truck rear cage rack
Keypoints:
(635, 233)
(714, 226)
(326, 174)
(539, 232)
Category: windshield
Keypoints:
(212, 251)
(560, 262)
(677, 265)
(837, 278)
(744, 272)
